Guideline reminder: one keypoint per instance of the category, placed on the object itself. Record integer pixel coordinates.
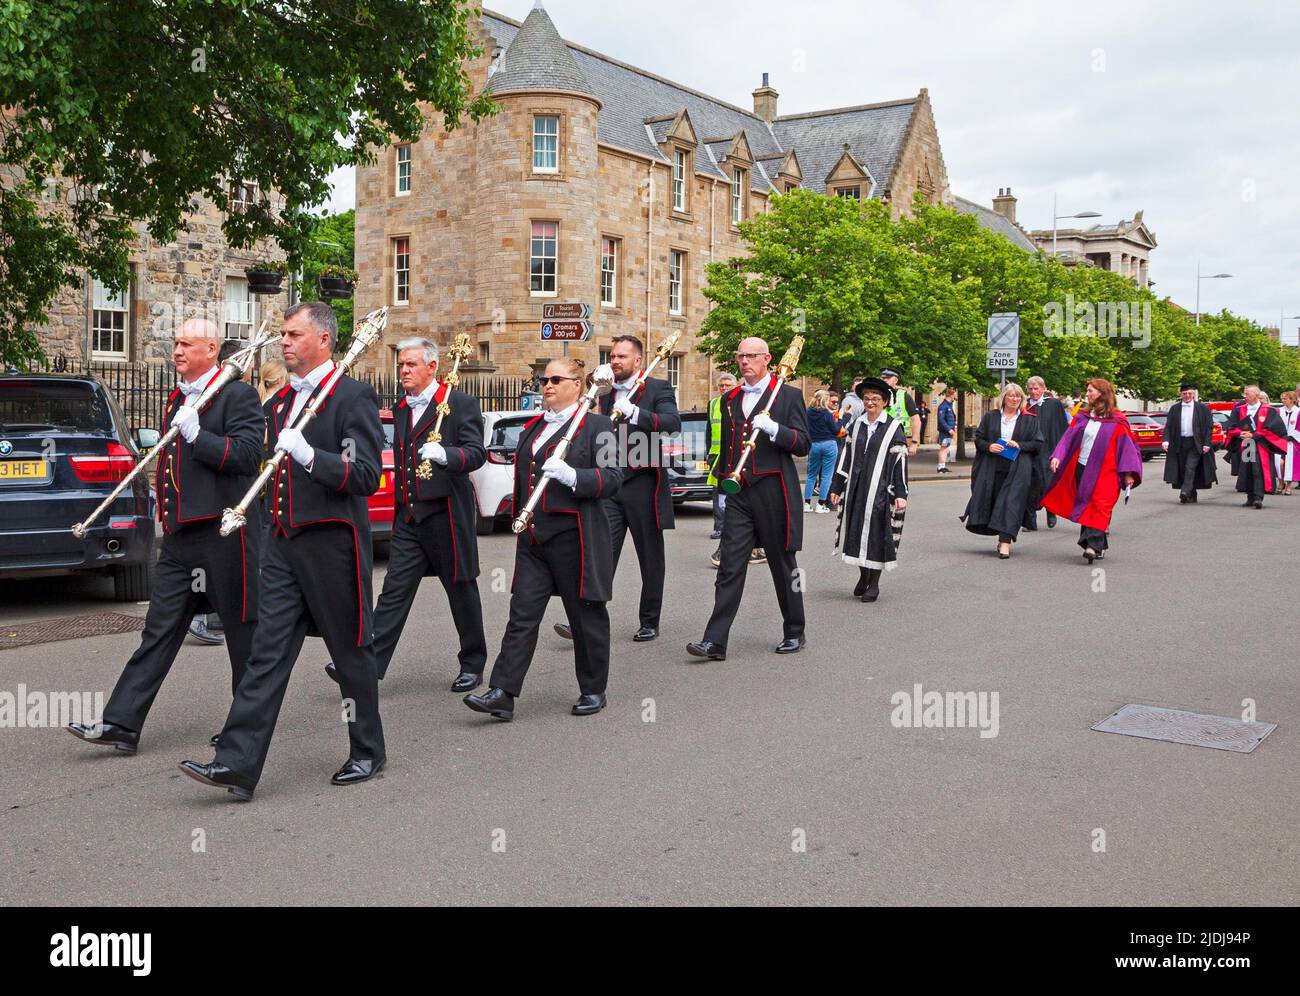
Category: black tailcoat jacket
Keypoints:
(562, 510)
(449, 487)
(1202, 436)
(196, 481)
(658, 417)
(348, 439)
(770, 457)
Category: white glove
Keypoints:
(767, 424)
(629, 410)
(434, 452)
(290, 441)
(187, 420)
(1164, 446)
(558, 470)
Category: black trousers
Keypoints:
(755, 517)
(311, 577)
(542, 569)
(1252, 477)
(1088, 536)
(416, 549)
(197, 569)
(1191, 464)
(633, 510)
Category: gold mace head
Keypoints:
(666, 347)
(461, 346)
(791, 358)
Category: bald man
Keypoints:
(767, 511)
(1255, 435)
(208, 467)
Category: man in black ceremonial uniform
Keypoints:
(767, 511)
(1188, 442)
(208, 467)
(644, 504)
(434, 518)
(317, 563)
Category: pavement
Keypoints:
(763, 779)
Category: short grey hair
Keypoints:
(320, 316)
(1036, 380)
(419, 342)
(1011, 388)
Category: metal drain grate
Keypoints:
(1178, 727)
(73, 628)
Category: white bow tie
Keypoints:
(190, 390)
(554, 417)
(298, 383)
(416, 400)
(624, 385)
(754, 388)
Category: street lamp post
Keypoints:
(1057, 217)
(1209, 276)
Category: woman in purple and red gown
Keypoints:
(1093, 462)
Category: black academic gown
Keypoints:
(1001, 504)
(1052, 423)
(1190, 455)
(870, 475)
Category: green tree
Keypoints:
(139, 107)
(333, 242)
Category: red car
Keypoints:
(1148, 432)
(381, 502)
(1218, 419)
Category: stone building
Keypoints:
(603, 184)
(1123, 248)
(198, 274)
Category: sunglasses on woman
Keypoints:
(556, 380)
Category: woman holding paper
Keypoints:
(1094, 460)
(1004, 487)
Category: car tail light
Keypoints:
(109, 468)
(507, 505)
(383, 481)
(501, 457)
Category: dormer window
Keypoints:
(737, 196)
(679, 180)
(546, 144)
(849, 193)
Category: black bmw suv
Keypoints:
(64, 445)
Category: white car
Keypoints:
(494, 482)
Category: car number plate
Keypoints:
(22, 470)
(701, 465)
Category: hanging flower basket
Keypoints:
(266, 277)
(335, 282)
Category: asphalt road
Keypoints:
(744, 760)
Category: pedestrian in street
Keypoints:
(903, 408)
(726, 382)
(1005, 480)
(1094, 460)
(1052, 423)
(822, 455)
(1255, 434)
(924, 412)
(947, 427)
(871, 491)
(1189, 428)
(1290, 414)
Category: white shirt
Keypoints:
(550, 428)
(1089, 437)
(193, 389)
(419, 402)
(1009, 425)
(865, 418)
(751, 394)
(306, 387)
(1185, 415)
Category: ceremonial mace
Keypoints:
(784, 371)
(602, 381)
(366, 334)
(662, 353)
(234, 368)
(460, 350)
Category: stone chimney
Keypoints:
(765, 101)
(1005, 205)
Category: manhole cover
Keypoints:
(1178, 727)
(73, 628)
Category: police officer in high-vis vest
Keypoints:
(903, 408)
(726, 382)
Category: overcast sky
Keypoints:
(1186, 110)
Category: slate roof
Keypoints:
(540, 60)
(994, 222)
(630, 96)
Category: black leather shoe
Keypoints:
(708, 650)
(564, 630)
(358, 769)
(219, 776)
(1258, 504)
(645, 633)
(106, 735)
(588, 705)
(333, 673)
(1051, 521)
(214, 740)
(860, 588)
(495, 702)
(1182, 499)
(716, 534)
(790, 646)
(466, 681)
